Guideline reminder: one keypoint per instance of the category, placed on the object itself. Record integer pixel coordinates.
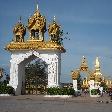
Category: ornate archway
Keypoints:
(94, 77)
(22, 51)
(82, 69)
(19, 61)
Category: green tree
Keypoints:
(79, 82)
(103, 84)
(37, 69)
(1, 72)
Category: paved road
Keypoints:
(42, 104)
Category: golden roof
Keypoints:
(37, 28)
(40, 45)
(75, 74)
(54, 31)
(84, 65)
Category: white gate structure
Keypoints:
(24, 50)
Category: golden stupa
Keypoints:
(95, 74)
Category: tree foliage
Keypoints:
(79, 82)
(1, 72)
(36, 71)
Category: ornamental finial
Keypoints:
(54, 19)
(37, 7)
(97, 63)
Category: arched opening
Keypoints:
(32, 76)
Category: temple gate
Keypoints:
(23, 51)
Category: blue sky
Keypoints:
(89, 23)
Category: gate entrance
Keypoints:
(36, 77)
(78, 76)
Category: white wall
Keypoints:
(19, 59)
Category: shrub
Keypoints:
(95, 92)
(60, 91)
(4, 89)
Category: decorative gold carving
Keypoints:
(40, 45)
(92, 75)
(37, 26)
(84, 66)
(54, 31)
(75, 74)
(19, 32)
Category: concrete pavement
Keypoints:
(33, 103)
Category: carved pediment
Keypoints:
(37, 22)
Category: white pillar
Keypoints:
(75, 85)
(91, 84)
(54, 70)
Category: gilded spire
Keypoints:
(97, 63)
(37, 26)
(54, 31)
(54, 19)
(37, 7)
(97, 72)
(19, 31)
(84, 65)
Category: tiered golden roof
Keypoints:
(83, 66)
(54, 31)
(37, 28)
(75, 74)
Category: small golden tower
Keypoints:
(83, 66)
(97, 73)
(75, 74)
(54, 31)
(19, 32)
(37, 26)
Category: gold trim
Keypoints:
(34, 45)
